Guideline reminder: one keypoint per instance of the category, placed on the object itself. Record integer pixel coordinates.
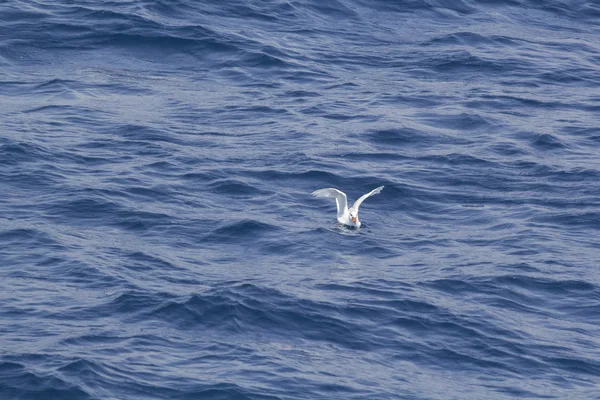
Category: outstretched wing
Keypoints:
(362, 198)
(339, 196)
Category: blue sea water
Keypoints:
(158, 239)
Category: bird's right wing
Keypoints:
(339, 196)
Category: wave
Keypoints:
(20, 382)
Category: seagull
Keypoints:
(345, 215)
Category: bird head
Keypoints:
(353, 216)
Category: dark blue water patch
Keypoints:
(160, 48)
(501, 292)
(24, 236)
(55, 87)
(468, 39)
(254, 109)
(185, 388)
(581, 219)
(379, 288)
(574, 10)
(463, 62)
(560, 174)
(138, 36)
(163, 167)
(336, 112)
(376, 156)
(143, 264)
(29, 248)
(524, 293)
(553, 287)
(143, 135)
(265, 58)
(407, 100)
(462, 122)
(303, 175)
(248, 308)
(90, 371)
(52, 86)
(90, 208)
(130, 304)
(174, 9)
(546, 141)
(590, 134)
(12, 12)
(199, 179)
(77, 275)
(440, 9)
(462, 159)
(222, 392)
(90, 374)
(149, 262)
(156, 194)
(20, 383)
(29, 181)
(69, 89)
(542, 104)
(509, 149)
(240, 231)
(575, 365)
(399, 137)
(14, 153)
(471, 350)
(468, 362)
(518, 393)
(52, 118)
(140, 221)
(586, 77)
(302, 94)
(226, 310)
(332, 8)
(234, 188)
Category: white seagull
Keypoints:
(345, 215)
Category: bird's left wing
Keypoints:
(362, 198)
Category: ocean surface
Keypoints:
(159, 240)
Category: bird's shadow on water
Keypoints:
(338, 229)
(346, 230)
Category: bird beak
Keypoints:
(354, 219)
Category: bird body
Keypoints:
(345, 215)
